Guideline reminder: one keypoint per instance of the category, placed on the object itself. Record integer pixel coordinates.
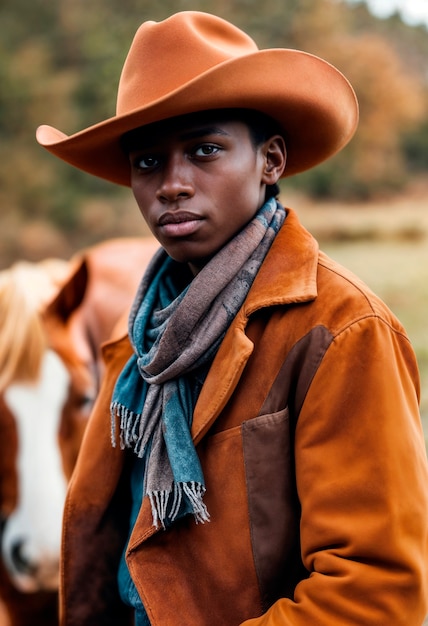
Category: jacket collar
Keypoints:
(289, 272)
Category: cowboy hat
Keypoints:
(195, 61)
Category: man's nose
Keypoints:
(176, 181)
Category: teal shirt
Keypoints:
(127, 590)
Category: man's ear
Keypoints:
(275, 155)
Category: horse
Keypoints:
(50, 371)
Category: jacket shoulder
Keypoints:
(348, 298)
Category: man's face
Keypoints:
(197, 184)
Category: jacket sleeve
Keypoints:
(362, 481)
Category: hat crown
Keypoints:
(166, 55)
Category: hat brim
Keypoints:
(311, 100)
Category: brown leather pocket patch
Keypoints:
(273, 505)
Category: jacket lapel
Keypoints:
(222, 379)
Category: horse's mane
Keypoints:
(25, 288)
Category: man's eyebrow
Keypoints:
(149, 140)
(196, 133)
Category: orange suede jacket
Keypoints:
(309, 435)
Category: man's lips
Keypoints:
(179, 224)
(177, 217)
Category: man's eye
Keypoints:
(207, 149)
(145, 163)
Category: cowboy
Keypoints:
(265, 463)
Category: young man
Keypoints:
(265, 462)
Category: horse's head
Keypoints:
(43, 415)
(25, 289)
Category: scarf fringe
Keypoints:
(165, 504)
(163, 509)
(129, 428)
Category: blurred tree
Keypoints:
(415, 147)
(391, 100)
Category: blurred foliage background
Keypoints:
(60, 62)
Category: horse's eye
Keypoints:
(85, 402)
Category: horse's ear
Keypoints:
(71, 294)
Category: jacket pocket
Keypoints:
(273, 504)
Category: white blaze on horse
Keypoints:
(53, 323)
(27, 371)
